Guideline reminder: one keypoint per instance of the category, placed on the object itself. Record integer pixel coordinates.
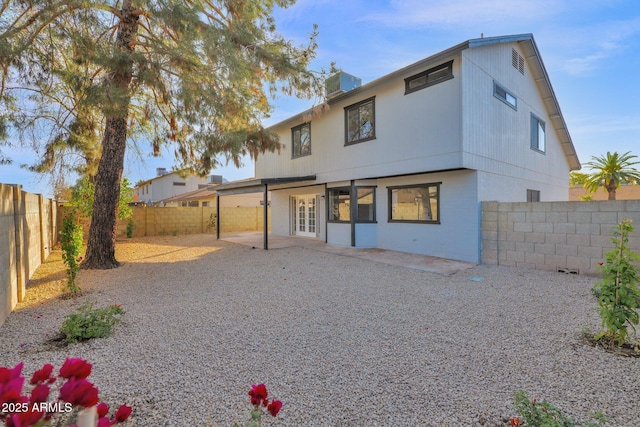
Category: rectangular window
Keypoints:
(194, 204)
(538, 141)
(360, 122)
(339, 205)
(366, 197)
(415, 203)
(430, 77)
(505, 96)
(301, 140)
(533, 196)
(206, 204)
(179, 184)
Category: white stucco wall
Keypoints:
(457, 235)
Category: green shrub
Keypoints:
(90, 322)
(71, 244)
(617, 293)
(130, 227)
(544, 414)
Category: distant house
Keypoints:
(404, 162)
(169, 184)
(206, 196)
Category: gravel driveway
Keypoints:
(341, 341)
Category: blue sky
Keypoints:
(591, 49)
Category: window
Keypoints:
(431, 77)
(505, 96)
(415, 203)
(366, 207)
(360, 122)
(206, 204)
(537, 134)
(179, 184)
(533, 196)
(339, 205)
(301, 140)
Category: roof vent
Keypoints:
(161, 171)
(341, 82)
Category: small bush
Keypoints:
(532, 413)
(130, 227)
(71, 244)
(618, 294)
(90, 322)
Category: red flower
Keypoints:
(515, 422)
(11, 391)
(258, 393)
(79, 393)
(600, 263)
(103, 410)
(43, 375)
(123, 413)
(39, 394)
(274, 407)
(26, 418)
(75, 368)
(7, 374)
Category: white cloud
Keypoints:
(412, 13)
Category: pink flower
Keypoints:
(104, 422)
(123, 413)
(43, 375)
(79, 393)
(11, 391)
(258, 393)
(274, 407)
(75, 368)
(26, 418)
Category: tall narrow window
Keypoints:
(360, 122)
(366, 197)
(538, 141)
(301, 140)
(533, 195)
(339, 205)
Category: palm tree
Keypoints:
(610, 171)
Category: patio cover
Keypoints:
(255, 185)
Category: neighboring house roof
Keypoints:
(204, 193)
(177, 173)
(539, 74)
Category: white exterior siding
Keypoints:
(457, 235)
(414, 133)
(497, 138)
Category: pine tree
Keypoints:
(195, 74)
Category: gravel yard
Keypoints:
(341, 341)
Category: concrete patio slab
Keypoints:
(432, 264)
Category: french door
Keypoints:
(304, 215)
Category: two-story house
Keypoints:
(404, 162)
(170, 184)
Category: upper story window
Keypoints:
(505, 96)
(360, 121)
(301, 140)
(538, 141)
(428, 78)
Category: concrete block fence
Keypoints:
(571, 237)
(27, 234)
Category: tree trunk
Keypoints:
(611, 189)
(102, 232)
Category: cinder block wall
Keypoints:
(574, 236)
(163, 221)
(27, 233)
